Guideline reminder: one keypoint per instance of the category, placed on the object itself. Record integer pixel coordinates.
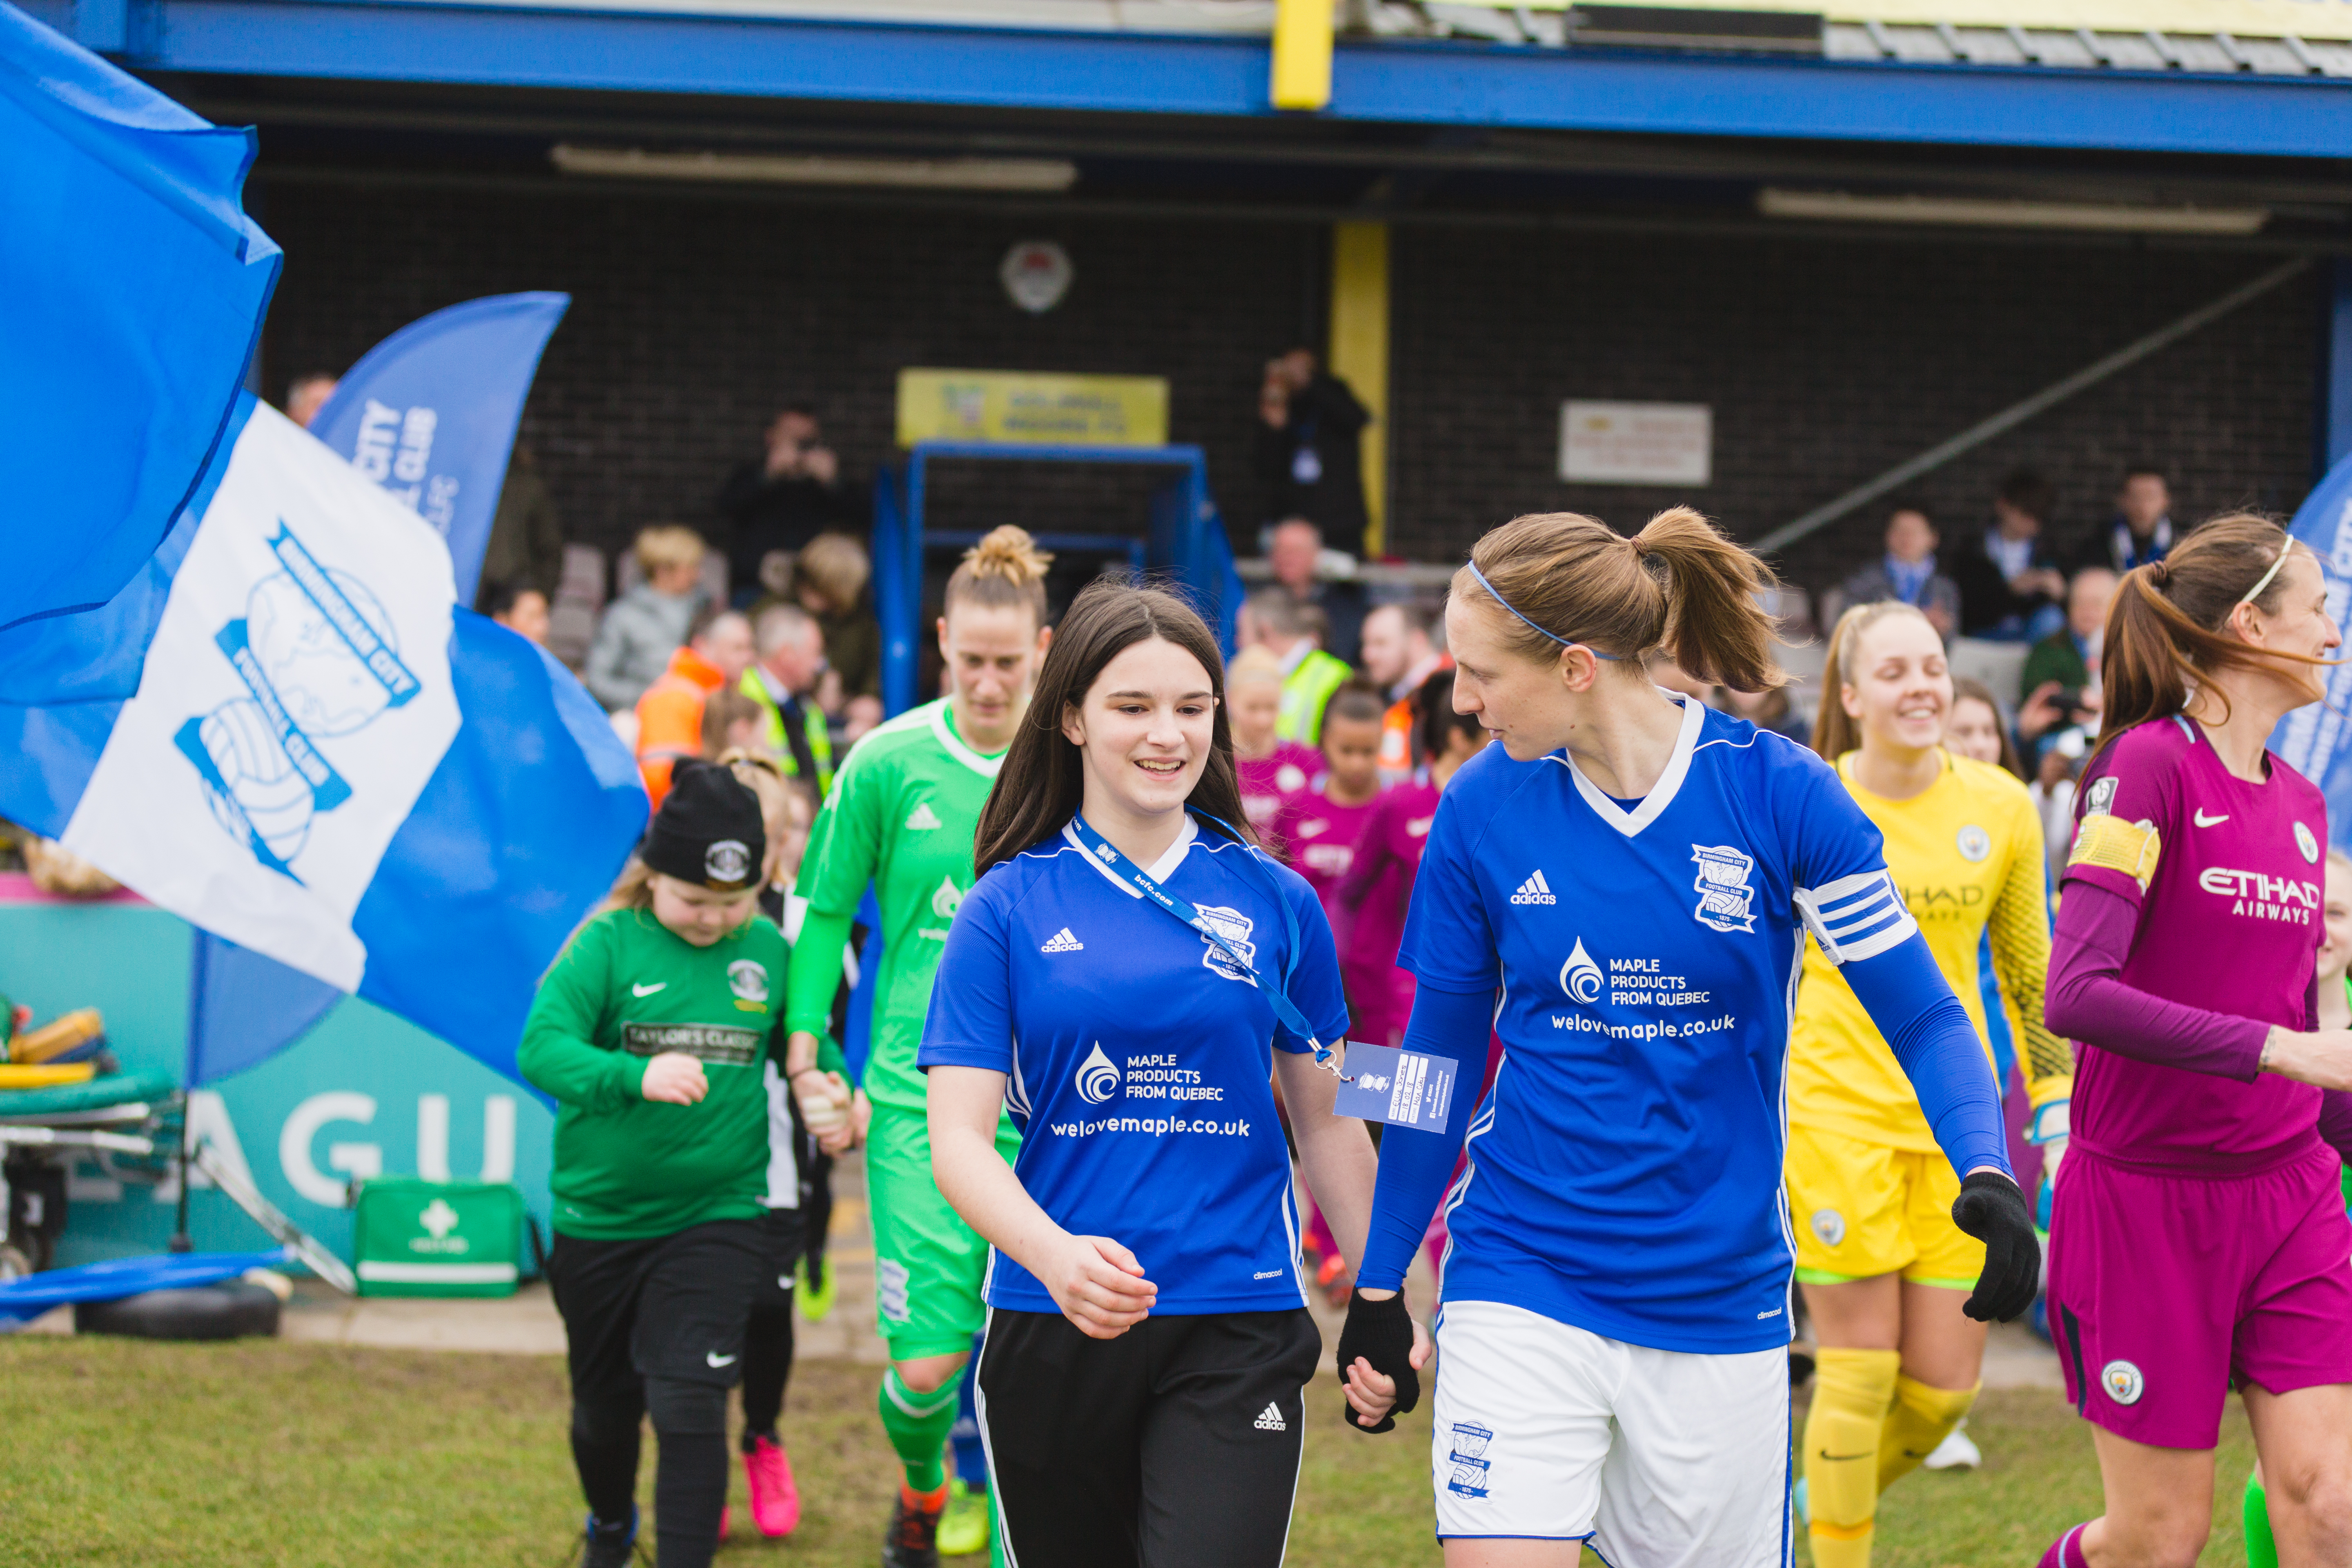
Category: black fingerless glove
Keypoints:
(1381, 1333)
(1992, 1208)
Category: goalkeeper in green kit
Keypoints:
(903, 814)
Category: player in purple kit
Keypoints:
(2197, 1235)
(1268, 767)
(1367, 907)
(1320, 828)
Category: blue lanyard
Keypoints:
(1136, 877)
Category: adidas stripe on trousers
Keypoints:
(1176, 1444)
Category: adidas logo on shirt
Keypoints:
(1063, 941)
(1534, 891)
(1270, 1420)
(921, 817)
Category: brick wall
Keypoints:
(1824, 362)
(1825, 365)
(694, 319)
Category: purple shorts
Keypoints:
(2167, 1290)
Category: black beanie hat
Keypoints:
(708, 830)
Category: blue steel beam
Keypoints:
(1395, 82)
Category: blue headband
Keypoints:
(1613, 658)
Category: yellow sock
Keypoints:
(1852, 1391)
(1922, 1418)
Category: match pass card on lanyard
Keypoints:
(1403, 1088)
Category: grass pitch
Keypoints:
(264, 1452)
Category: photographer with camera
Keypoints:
(784, 499)
(2060, 680)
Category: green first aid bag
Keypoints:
(414, 1237)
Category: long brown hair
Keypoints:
(1834, 732)
(1043, 781)
(1678, 585)
(2165, 627)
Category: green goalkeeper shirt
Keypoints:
(903, 813)
(624, 990)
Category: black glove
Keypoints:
(1992, 1209)
(1381, 1333)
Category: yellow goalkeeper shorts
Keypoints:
(1862, 1209)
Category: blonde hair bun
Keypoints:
(1010, 554)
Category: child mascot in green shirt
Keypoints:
(651, 1031)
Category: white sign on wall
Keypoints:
(1637, 442)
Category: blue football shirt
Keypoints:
(1624, 1175)
(1137, 1059)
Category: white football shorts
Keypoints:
(1655, 1458)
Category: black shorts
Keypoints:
(667, 1306)
(783, 1235)
(1176, 1444)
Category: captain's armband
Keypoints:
(2111, 844)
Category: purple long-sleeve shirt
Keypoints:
(2189, 927)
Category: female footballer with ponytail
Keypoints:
(1622, 886)
(2198, 1239)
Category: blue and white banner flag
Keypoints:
(430, 415)
(134, 288)
(285, 733)
(2317, 741)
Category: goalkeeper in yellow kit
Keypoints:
(1882, 1266)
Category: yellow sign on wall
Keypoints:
(1023, 406)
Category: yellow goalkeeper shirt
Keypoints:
(1967, 853)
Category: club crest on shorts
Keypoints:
(2306, 843)
(2123, 1382)
(1469, 1459)
(1830, 1226)
(1974, 843)
(1725, 902)
(748, 978)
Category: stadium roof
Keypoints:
(2261, 77)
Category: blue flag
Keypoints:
(284, 730)
(430, 414)
(135, 287)
(2317, 741)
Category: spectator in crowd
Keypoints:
(669, 714)
(2140, 532)
(306, 394)
(2061, 678)
(1310, 448)
(520, 607)
(526, 544)
(733, 723)
(784, 499)
(1400, 653)
(829, 582)
(2011, 587)
(1292, 553)
(783, 681)
(644, 626)
(1906, 573)
(1288, 629)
